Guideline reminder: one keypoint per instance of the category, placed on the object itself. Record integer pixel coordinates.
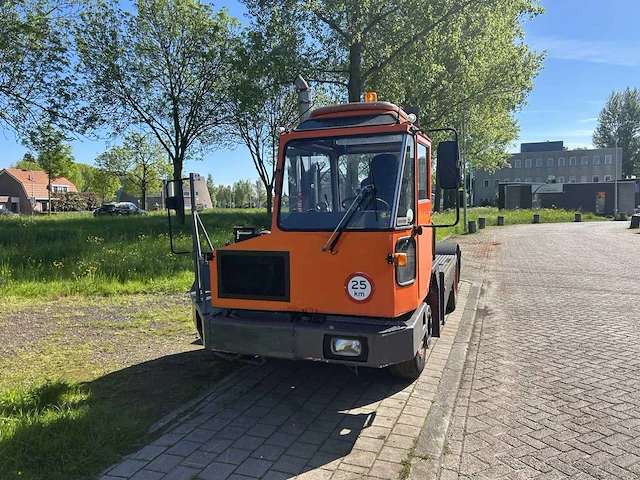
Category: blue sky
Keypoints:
(592, 49)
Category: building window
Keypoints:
(584, 160)
(608, 160)
(561, 161)
(516, 180)
(596, 159)
(527, 163)
(59, 189)
(496, 182)
(517, 163)
(572, 179)
(538, 162)
(607, 178)
(560, 179)
(549, 162)
(584, 179)
(527, 180)
(596, 179)
(538, 179)
(572, 161)
(486, 183)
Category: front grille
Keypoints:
(253, 275)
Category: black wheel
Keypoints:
(453, 296)
(411, 369)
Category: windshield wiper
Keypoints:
(344, 221)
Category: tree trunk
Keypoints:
(143, 203)
(49, 192)
(179, 191)
(436, 207)
(269, 200)
(355, 72)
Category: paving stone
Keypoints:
(184, 448)
(217, 471)
(261, 430)
(233, 455)
(145, 474)
(253, 467)
(302, 450)
(182, 473)
(248, 442)
(199, 459)
(281, 439)
(165, 463)
(216, 445)
(268, 452)
(386, 470)
(149, 452)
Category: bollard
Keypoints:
(500, 221)
(536, 218)
(482, 222)
(472, 226)
(635, 221)
(578, 217)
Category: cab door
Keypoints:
(425, 241)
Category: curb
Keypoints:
(430, 447)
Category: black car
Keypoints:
(128, 208)
(107, 209)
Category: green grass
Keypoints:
(511, 217)
(74, 254)
(75, 400)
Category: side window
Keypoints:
(407, 200)
(423, 174)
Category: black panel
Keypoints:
(253, 275)
(348, 121)
(406, 275)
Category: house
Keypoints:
(26, 191)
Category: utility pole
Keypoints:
(615, 184)
(464, 172)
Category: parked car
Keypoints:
(128, 208)
(106, 209)
(9, 213)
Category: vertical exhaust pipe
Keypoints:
(304, 97)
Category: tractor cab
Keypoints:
(350, 271)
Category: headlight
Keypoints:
(346, 347)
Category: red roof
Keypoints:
(35, 182)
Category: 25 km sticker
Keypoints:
(359, 287)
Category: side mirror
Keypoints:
(448, 168)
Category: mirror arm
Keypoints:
(173, 250)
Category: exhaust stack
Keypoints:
(304, 97)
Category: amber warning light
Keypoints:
(371, 97)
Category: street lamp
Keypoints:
(615, 184)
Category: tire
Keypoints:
(453, 296)
(411, 369)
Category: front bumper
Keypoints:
(276, 335)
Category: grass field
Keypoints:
(47, 257)
(96, 340)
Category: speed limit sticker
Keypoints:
(359, 287)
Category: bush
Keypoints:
(75, 201)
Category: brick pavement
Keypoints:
(297, 419)
(551, 384)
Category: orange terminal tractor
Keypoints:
(350, 271)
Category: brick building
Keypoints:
(26, 191)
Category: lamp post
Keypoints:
(615, 184)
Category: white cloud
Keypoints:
(588, 120)
(597, 51)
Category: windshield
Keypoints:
(323, 176)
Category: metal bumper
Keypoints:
(275, 335)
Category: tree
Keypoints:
(36, 78)
(260, 194)
(104, 184)
(241, 192)
(265, 61)
(443, 56)
(619, 123)
(54, 154)
(140, 163)
(212, 188)
(164, 67)
(28, 162)
(224, 196)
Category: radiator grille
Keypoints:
(253, 275)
